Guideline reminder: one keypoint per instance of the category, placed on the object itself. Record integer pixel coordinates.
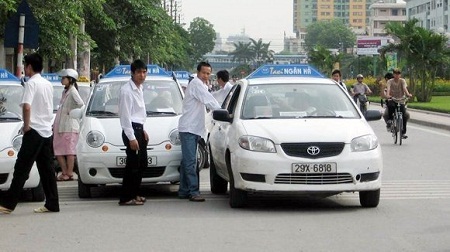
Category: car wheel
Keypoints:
(218, 184)
(37, 193)
(84, 191)
(201, 156)
(238, 198)
(369, 198)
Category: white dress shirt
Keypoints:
(196, 98)
(222, 93)
(38, 93)
(131, 107)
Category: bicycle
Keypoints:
(362, 102)
(396, 128)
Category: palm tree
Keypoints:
(242, 52)
(261, 51)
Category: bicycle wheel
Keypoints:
(394, 130)
(400, 129)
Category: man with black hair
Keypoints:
(37, 114)
(132, 115)
(223, 78)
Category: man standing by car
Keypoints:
(132, 115)
(191, 127)
(37, 113)
(223, 78)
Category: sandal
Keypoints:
(41, 209)
(64, 177)
(132, 202)
(141, 199)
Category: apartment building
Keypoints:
(432, 14)
(381, 13)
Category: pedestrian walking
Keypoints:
(37, 113)
(223, 79)
(132, 115)
(66, 128)
(191, 127)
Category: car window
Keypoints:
(84, 92)
(297, 100)
(161, 98)
(10, 98)
(57, 95)
(231, 100)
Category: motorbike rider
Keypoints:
(359, 90)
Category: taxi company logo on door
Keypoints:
(123, 71)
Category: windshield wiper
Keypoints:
(10, 119)
(161, 113)
(101, 112)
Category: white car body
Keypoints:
(277, 139)
(105, 164)
(11, 123)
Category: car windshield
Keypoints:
(162, 98)
(83, 90)
(10, 98)
(297, 101)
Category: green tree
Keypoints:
(329, 34)
(423, 51)
(242, 52)
(323, 59)
(261, 52)
(202, 37)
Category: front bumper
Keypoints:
(7, 169)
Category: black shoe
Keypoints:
(197, 198)
(404, 136)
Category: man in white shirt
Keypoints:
(132, 115)
(191, 127)
(223, 78)
(37, 113)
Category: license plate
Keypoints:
(314, 168)
(122, 161)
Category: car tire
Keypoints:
(369, 198)
(37, 193)
(84, 190)
(238, 198)
(201, 156)
(218, 184)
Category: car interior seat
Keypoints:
(256, 106)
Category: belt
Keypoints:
(137, 126)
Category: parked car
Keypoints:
(286, 129)
(100, 150)
(11, 92)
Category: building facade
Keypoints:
(432, 14)
(381, 13)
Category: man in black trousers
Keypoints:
(132, 115)
(37, 113)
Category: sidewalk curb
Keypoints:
(430, 124)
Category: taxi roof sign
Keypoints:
(295, 70)
(182, 75)
(125, 71)
(5, 75)
(52, 77)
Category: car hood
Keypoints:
(8, 131)
(308, 130)
(157, 128)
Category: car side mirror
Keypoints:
(372, 115)
(76, 113)
(221, 115)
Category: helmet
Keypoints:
(69, 72)
(359, 76)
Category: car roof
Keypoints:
(292, 73)
(123, 73)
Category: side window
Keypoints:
(231, 99)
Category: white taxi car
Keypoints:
(287, 129)
(10, 139)
(100, 149)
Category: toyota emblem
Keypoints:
(313, 150)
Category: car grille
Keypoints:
(149, 172)
(3, 178)
(314, 179)
(301, 149)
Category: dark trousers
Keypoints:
(392, 106)
(135, 166)
(34, 148)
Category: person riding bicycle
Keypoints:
(397, 90)
(359, 90)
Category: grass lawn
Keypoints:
(438, 104)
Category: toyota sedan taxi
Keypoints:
(286, 129)
(11, 92)
(100, 150)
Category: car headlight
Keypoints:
(95, 139)
(17, 142)
(254, 143)
(364, 143)
(174, 137)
